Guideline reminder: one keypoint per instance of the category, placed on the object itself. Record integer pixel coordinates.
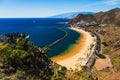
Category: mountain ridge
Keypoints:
(70, 15)
(109, 17)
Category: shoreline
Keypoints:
(78, 55)
(66, 54)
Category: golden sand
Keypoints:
(80, 43)
(71, 58)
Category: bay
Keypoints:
(42, 31)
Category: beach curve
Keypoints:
(78, 55)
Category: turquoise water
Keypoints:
(65, 44)
(42, 31)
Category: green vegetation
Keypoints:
(101, 56)
(22, 60)
(84, 74)
(59, 73)
(104, 43)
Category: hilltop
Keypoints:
(106, 25)
(111, 17)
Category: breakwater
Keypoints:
(60, 39)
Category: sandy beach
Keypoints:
(78, 55)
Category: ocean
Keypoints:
(42, 31)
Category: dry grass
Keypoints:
(109, 75)
(111, 36)
(4, 46)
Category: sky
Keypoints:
(46, 8)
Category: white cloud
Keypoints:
(104, 2)
(111, 2)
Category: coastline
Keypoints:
(78, 54)
(66, 54)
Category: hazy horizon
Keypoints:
(47, 8)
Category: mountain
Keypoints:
(71, 15)
(108, 17)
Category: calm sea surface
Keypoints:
(42, 31)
